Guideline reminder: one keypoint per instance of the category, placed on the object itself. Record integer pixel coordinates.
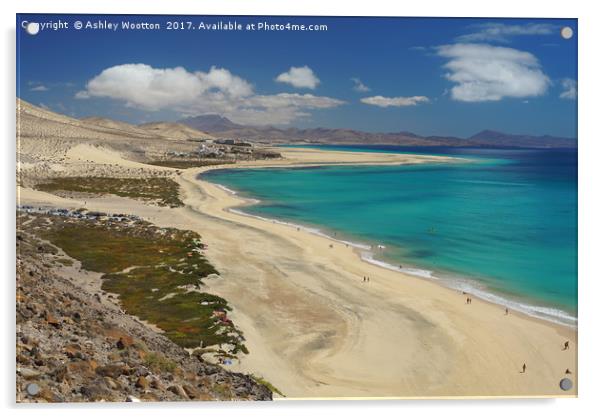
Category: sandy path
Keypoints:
(315, 329)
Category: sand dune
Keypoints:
(101, 155)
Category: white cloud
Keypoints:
(299, 77)
(358, 85)
(192, 93)
(224, 81)
(500, 32)
(569, 89)
(381, 101)
(300, 100)
(141, 85)
(39, 88)
(483, 72)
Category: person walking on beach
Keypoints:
(506, 310)
(524, 368)
(566, 345)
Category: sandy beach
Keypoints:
(314, 329)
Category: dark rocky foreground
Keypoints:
(73, 346)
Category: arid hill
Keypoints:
(115, 125)
(177, 131)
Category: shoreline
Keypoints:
(314, 330)
(468, 285)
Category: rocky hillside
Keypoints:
(73, 345)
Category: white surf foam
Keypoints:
(312, 230)
(422, 273)
(224, 188)
(478, 290)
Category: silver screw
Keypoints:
(32, 389)
(566, 384)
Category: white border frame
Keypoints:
(590, 204)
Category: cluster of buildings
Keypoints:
(215, 149)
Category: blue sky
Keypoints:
(430, 76)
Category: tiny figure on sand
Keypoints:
(566, 345)
(524, 368)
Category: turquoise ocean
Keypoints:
(502, 225)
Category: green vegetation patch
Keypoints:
(159, 363)
(114, 248)
(164, 191)
(190, 163)
(267, 384)
(157, 273)
(65, 261)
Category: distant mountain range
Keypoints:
(221, 127)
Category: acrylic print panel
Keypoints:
(258, 208)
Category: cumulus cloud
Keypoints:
(484, 72)
(381, 101)
(299, 77)
(39, 88)
(501, 32)
(141, 85)
(569, 89)
(192, 93)
(358, 85)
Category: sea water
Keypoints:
(502, 225)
